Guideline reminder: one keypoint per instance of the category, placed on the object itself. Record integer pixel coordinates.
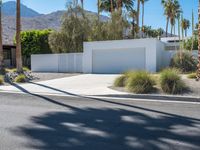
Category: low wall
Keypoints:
(71, 62)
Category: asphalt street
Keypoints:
(33, 121)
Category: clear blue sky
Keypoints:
(153, 9)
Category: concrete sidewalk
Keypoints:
(87, 85)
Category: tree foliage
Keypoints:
(34, 42)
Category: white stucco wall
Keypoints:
(57, 62)
(148, 44)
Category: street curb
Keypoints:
(150, 97)
(154, 97)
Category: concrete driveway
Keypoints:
(86, 84)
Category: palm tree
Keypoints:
(175, 13)
(172, 10)
(198, 66)
(143, 2)
(1, 45)
(112, 5)
(98, 8)
(18, 40)
(138, 13)
(133, 16)
(185, 25)
(82, 4)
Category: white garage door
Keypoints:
(118, 60)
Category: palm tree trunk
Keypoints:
(1, 45)
(167, 27)
(98, 8)
(171, 29)
(198, 66)
(111, 6)
(138, 13)
(142, 19)
(18, 40)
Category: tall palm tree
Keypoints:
(98, 9)
(112, 5)
(1, 45)
(82, 4)
(138, 13)
(143, 3)
(168, 6)
(18, 40)
(175, 13)
(133, 16)
(172, 10)
(185, 25)
(198, 66)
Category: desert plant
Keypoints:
(120, 81)
(1, 80)
(171, 81)
(140, 82)
(20, 78)
(184, 61)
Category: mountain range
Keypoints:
(31, 20)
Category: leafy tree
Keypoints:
(191, 43)
(74, 31)
(34, 42)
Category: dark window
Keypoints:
(7, 54)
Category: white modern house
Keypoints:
(110, 57)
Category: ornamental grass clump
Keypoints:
(171, 82)
(120, 81)
(192, 76)
(20, 78)
(140, 82)
(1, 80)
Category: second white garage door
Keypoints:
(118, 60)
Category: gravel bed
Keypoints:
(47, 76)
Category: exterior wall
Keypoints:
(159, 55)
(167, 55)
(148, 44)
(57, 62)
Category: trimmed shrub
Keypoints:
(1, 80)
(192, 76)
(120, 81)
(171, 81)
(140, 82)
(184, 61)
(20, 78)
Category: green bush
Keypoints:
(184, 61)
(120, 81)
(171, 81)
(192, 76)
(20, 78)
(1, 80)
(140, 82)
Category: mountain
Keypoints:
(31, 20)
(9, 9)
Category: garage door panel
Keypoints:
(118, 60)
